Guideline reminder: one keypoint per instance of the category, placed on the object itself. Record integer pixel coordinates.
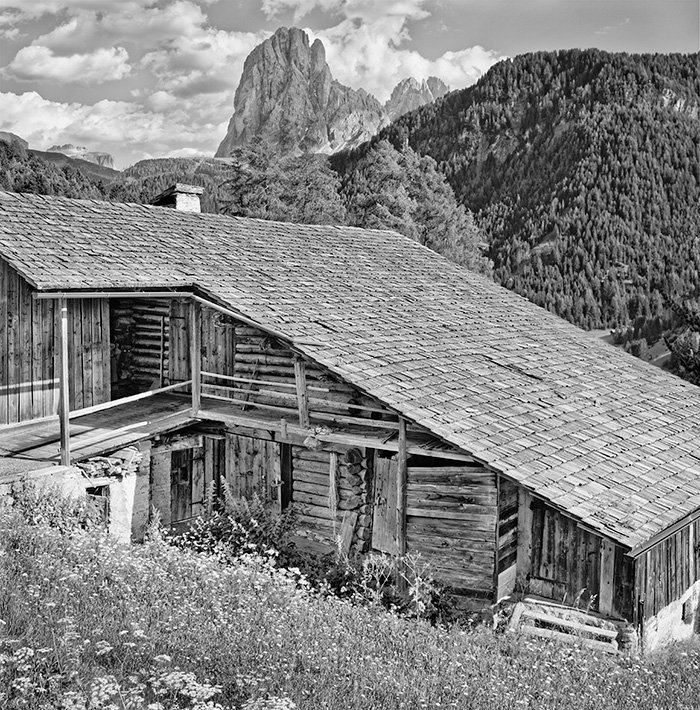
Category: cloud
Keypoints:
(35, 63)
(132, 23)
(367, 47)
(611, 28)
(127, 130)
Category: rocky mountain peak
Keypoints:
(82, 153)
(287, 95)
(411, 94)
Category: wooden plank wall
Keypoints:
(253, 466)
(573, 565)
(218, 342)
(89, 352)
(565, 562)
(665, 571)
(29, 352)
(452, 513)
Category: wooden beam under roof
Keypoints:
(43, 295)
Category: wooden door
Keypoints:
(181, 485)
(186, 483)
(384, 520)
(253, 467)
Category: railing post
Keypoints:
(63, 383)
(196, 354)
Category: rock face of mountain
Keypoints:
(411, 94)
(287, 95)
(81, 153)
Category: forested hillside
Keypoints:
(581, 168)
(21, 171)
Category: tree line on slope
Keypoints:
(581, 168)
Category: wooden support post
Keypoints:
(196, 354)
(302, 393)
(524, 558)
(401, 475)
(64, 384)
(607, 573)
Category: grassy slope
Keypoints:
(84, 618)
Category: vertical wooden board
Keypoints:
(161, 484)
(47, 356)
(12, 346)
(692, 570)
(198, 481)
(384, 522)
(179, 345)
(4, 381)
(87, 345)
(525, 523)
(607, 577)
(25, 359)
(75, 355)
(209, 463)
(537, 535)
(36, 364)
(101, 371)
(274, 475)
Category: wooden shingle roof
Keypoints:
(608, 438)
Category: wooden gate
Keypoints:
(384, 520)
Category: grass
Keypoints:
(89, 623)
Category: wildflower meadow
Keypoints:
(88, 623)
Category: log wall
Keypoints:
(140, 331)
(452, 514)
(666, 571)
(264, 366)
(330, 495)
(29, 338)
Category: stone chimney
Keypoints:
(180, 197)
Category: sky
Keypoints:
(155, 78)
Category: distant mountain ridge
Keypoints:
(288, 97)
(105, 160)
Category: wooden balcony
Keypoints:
(98, 430)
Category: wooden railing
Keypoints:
(293, 401)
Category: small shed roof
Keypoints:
(606, 437)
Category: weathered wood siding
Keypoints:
(29, 338)
(452, 514)
(667, 570)
(570, 564)
(217, 339)
(253, 467)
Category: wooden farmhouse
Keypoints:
(397, 401)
